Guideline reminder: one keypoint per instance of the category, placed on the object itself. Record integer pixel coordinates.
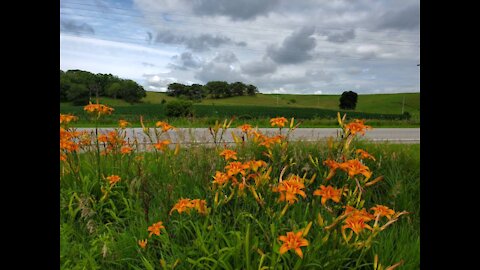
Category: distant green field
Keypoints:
(315, 110)
(375, 103)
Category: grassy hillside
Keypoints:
(315, 110)
(375, 103)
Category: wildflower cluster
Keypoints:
(267, 191)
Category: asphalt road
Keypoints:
(202, 135)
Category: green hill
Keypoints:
(372, 103)
(315, 110)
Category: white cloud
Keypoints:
(351, 38)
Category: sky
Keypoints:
(280, 46)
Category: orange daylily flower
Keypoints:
(328, 193)
(279, 121)
(383, 211)
(356, 224)
(293, 241)
(236, 167)
(114, 139)
(354, 167)
(355, 213)
(67, 118)
(102, 138)
(245, 128)
(200, 206)
(357, 126)
(364, 154)
(155, 228)
(333, 165)
(161, 145)
(220, 178)
(288, 189)
(255, 164)
(113, 179)
(257, 135)
(98, 108)
(67, 142)
(126, 150)
(268, 141)
(183, 205)
(143, 243)
(229, 154)
(165, 126)
(122, 123)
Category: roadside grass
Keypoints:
(206, 115)
(205, 122)
(98, 233)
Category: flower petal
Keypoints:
(283, 248)
(299, 252)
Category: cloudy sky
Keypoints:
(281, 46)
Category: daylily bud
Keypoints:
(320, 220)
(177, 149)
(374, 181)
(307, 229)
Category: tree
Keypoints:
(238, 88)
(85, 78)
(217, 89)
(64, 86)
(196, 92)
(97, 85)
(252, 90)
(179, 108)
(113, 90)
(131, 91)
(176, 89)
(348, 100)
(78, 94)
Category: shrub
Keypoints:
(179, 108)
(406, 115)
(348, 100)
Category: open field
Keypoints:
(257, 110)
(110, 201)
(373, 103)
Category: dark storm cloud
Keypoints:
(259, 68)
(235, 9)
(404, 19)
(76, 27)
(295, 48)
(202, 42)
(340, 36)
(185, 61)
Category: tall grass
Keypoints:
(100, 223)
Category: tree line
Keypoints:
(80, 87)
(213, 89)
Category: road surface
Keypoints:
(202, 135)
